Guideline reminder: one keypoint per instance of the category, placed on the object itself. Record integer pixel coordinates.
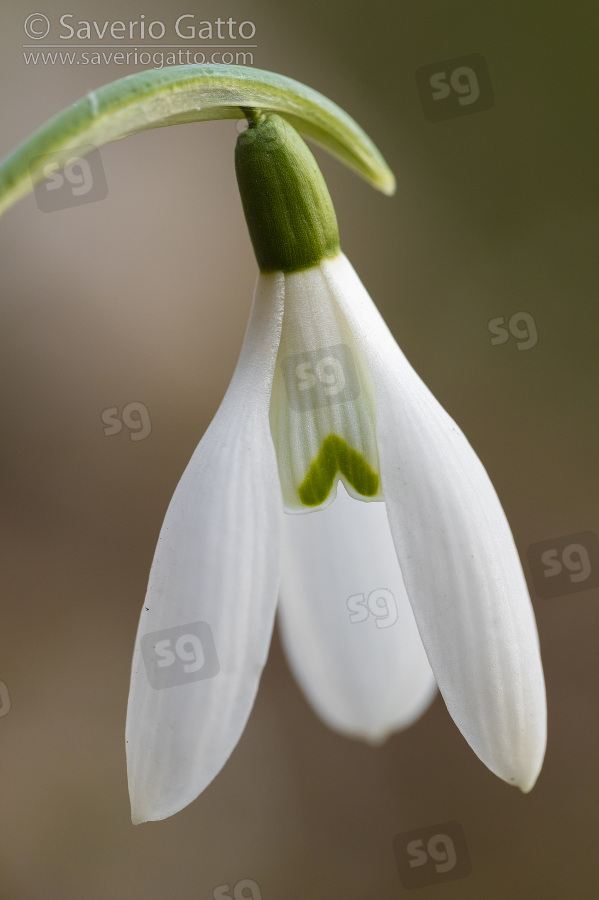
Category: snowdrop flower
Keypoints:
(331, 479)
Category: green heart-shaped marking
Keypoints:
(337, 456)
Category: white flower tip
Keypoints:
(374, 732)
(526, 789)
(524, 772)
(143, 811)
(138, 818)
(156, 795)
(376, 741)
(527, 782)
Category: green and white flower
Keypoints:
(329, 473)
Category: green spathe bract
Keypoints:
(182, 94)
(286, 202)
(337, 456)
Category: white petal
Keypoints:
(457, 555)
(207, 619)
(322, 406)
(346, 621)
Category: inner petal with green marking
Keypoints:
(336, 456)
(322, 410)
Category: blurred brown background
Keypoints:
(144, 297)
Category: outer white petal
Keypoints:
(346, 621)
(458, 558)
(217, 562)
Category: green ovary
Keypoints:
(337, 456)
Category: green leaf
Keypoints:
(181, 94)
